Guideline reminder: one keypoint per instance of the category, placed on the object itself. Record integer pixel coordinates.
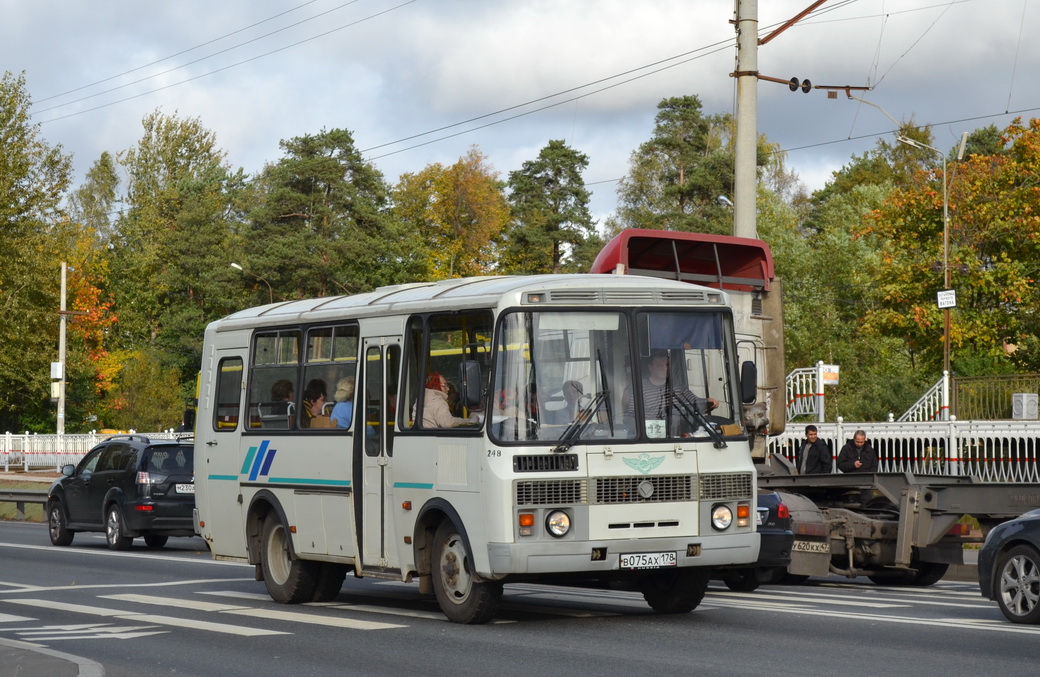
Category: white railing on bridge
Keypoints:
(35, 452)
(993, 451)
(805, 393)
(934, 405)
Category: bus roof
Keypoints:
(719, 261)
(473, 292)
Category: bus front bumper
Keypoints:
(558, 557)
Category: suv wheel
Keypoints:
(57, 524)
(115, 529)
(155, 540)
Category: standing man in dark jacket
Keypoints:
(815, 455)
(858, 455)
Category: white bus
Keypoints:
(550, 464)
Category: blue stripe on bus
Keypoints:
(248, 461)
(233, 478)
(304, 480)
(412, 485)
(254, 470)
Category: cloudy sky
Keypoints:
(421, 81)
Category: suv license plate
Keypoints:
(648, 560)
(185, 488)
(811, 546)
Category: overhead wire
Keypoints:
(174, 55)
(229, 66)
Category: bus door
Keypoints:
(374, 451)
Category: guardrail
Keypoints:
(20, 497)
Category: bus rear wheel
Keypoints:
(676, 592)
(462, 598)
(288, 580)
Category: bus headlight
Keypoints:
(558, 523)
(721, 517)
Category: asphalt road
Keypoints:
(176, 612)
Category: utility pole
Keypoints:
(745, 180)
(61, 354)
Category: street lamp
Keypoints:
(270, 290)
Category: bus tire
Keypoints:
(289, 580)
(461, 597)
(676, 592)
(329, 581)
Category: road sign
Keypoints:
(947, 298)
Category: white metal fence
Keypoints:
(36, 452)
(993, 451)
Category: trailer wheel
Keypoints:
(928, 573)
(676, 592)
(742, 581)
(1018, 584)
(461, 597)
(288, 580)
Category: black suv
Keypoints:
(126, 486)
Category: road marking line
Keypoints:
(197, 605)
(297, 617)
(147, 618)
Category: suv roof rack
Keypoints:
(129, 436)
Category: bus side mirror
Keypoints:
(469, 377)
(748, 382)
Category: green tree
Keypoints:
(994, 235)
(551, 229)
(170, 246)
(676, 178)
(34, 178)
(321, 223)
(457, 212)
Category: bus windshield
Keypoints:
(568, 377)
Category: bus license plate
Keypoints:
(648, 560)
(185, 488)
(811, 546)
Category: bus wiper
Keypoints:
(581, 421)
(691, 413)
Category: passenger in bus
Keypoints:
(283, 394)
(314, 404)
(436, 413)
(343, 412)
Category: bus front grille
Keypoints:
(551, 492)
(656, 489)
(725, 486)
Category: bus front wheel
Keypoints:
(462, 598)
(288, 580)
(676, 592)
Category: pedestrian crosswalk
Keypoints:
(388, 606)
